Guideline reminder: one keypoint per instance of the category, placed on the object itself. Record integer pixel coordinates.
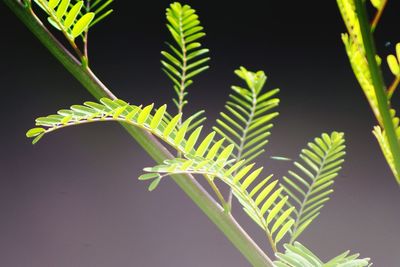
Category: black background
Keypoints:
(74, 200)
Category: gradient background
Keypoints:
(74, 200)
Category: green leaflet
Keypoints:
(297, 255)
(377, 3)
(62, 9)
(72, 15)
(393, 61)
(82, 24)
(53, 3)
(310, 185)
(35, 132)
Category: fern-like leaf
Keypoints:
(185, 58)
(70, 19)
(207, 156)
(156, 121)
(247, 119)
(310, 186)
(262, 201)
(298, 255)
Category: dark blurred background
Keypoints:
(74, 199)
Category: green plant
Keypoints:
(366, 64)
(282, 209)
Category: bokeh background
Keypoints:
(74, 200)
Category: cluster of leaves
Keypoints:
(356, 52)
(282, 210)
(297, 255)
(75, 18)
(66, 17)
(265, 203)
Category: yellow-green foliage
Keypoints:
(355, 49)
(356, 52)
(297, 255)
(383, 142)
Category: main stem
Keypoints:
(379, 85)
(224, 221)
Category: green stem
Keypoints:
(379, 85)
(224, 221)
(243, 139)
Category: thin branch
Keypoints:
(224, 221)
(378, 15)
(217, 193)
(393, 87)
(86, 38)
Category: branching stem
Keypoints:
(379, 85)
(224, 221)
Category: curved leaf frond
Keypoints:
(156, 121)
(72, 20)
(247, 119)
(262, 201)
(297, 255)
(309, 187)
(185, 58)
